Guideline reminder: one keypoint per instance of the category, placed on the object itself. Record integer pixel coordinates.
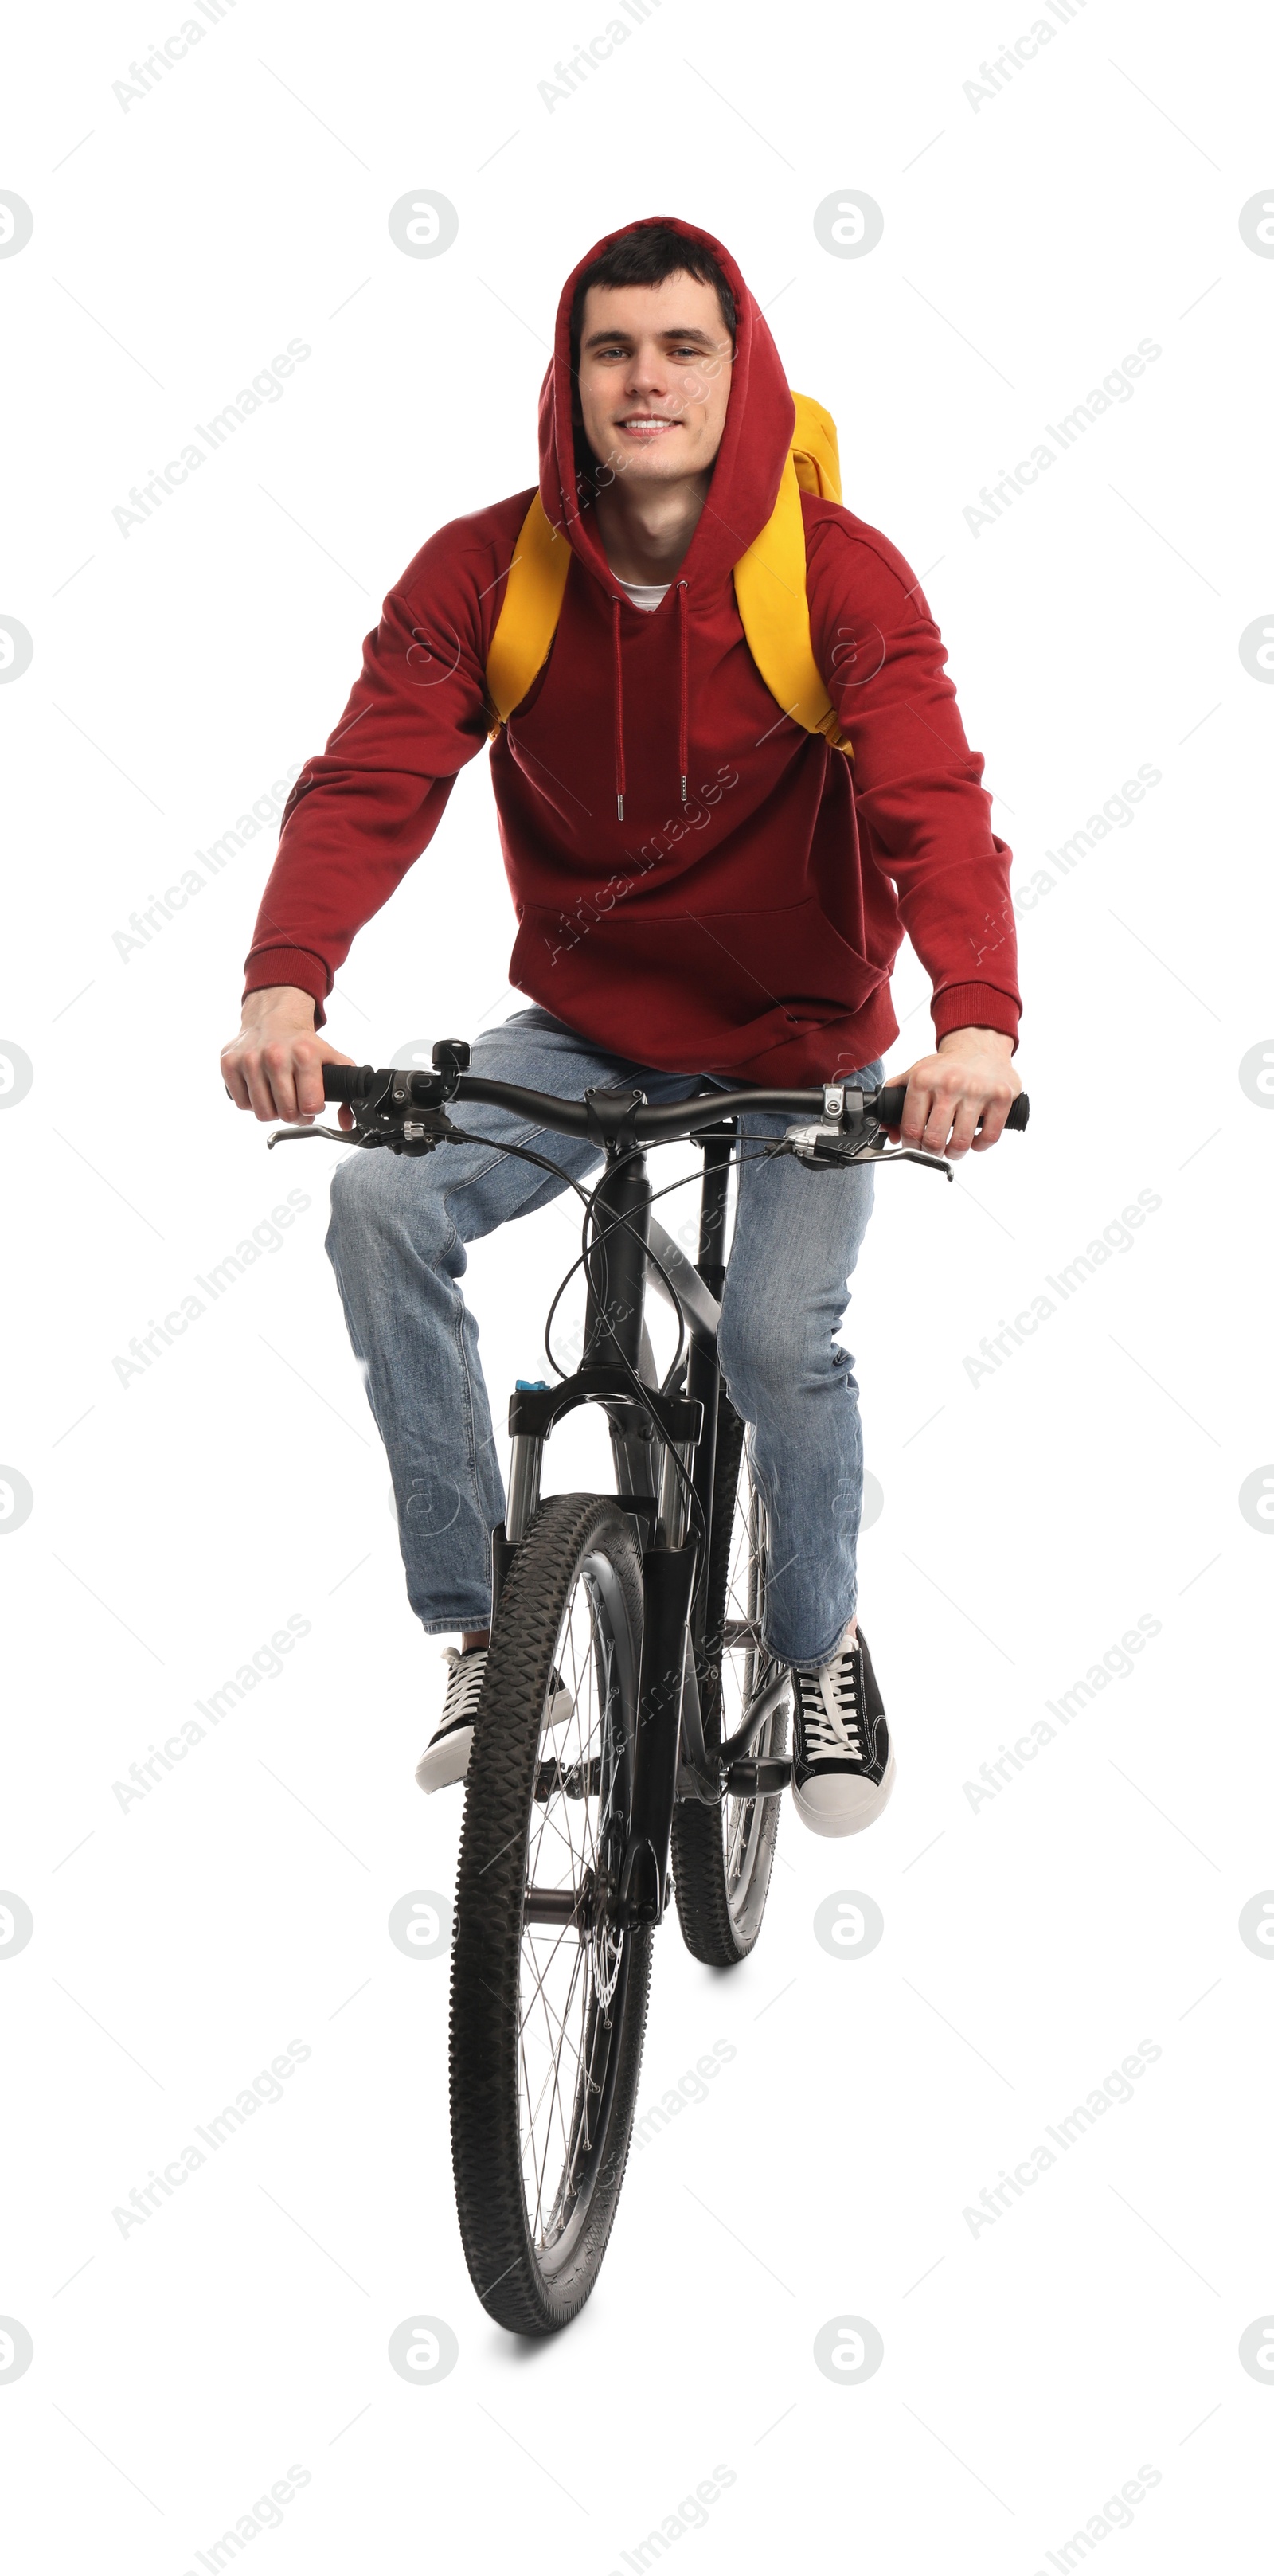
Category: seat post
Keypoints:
(710, 1258)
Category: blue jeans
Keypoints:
(397, 1243)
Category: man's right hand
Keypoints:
(275, 1065)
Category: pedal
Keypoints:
(762, 1777)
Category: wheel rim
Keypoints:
(573, 1974)
(746, 1823)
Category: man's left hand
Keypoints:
(970, 1078)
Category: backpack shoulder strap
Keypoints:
(769, 580)
(528, 617)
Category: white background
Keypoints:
(1030, 1943)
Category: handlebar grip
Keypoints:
(889, 1107)
(345, 1081)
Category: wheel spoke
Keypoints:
(569, 1973)
(747, 1825)
(555, 2104)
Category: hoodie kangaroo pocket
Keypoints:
(671, 986)
(792, 959)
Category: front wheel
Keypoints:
(548, 1995)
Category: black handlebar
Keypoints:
(358, 1084)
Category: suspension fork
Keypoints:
(615, 1269)
(616, 1273)
(669, 1572)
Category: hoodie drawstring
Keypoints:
(683, 752)
(616, 604)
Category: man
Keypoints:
(703, 889)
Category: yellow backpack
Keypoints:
(769, 588)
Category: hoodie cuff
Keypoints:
(297, 966)
(975, 1006)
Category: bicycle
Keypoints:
(666, 1777)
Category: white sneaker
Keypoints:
(843, 1765)
(446, 1756)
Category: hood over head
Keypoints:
(754, 444)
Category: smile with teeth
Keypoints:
(646, 424)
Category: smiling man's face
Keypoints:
(654, 378)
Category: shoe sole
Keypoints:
(441, 1765)
(834, 1826)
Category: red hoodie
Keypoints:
(751, 930)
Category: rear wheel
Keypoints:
(723, 1857)
(548, 1998)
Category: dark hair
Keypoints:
(645, 256)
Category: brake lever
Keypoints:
(827, 1148)
(410, 1135)
(876, 1153)
(297, 1135)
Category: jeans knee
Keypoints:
(760, 1361)
(378, 1199)
(354, 1198)
(767, 1360)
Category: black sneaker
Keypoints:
(446, 1756)
(843, 1769)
